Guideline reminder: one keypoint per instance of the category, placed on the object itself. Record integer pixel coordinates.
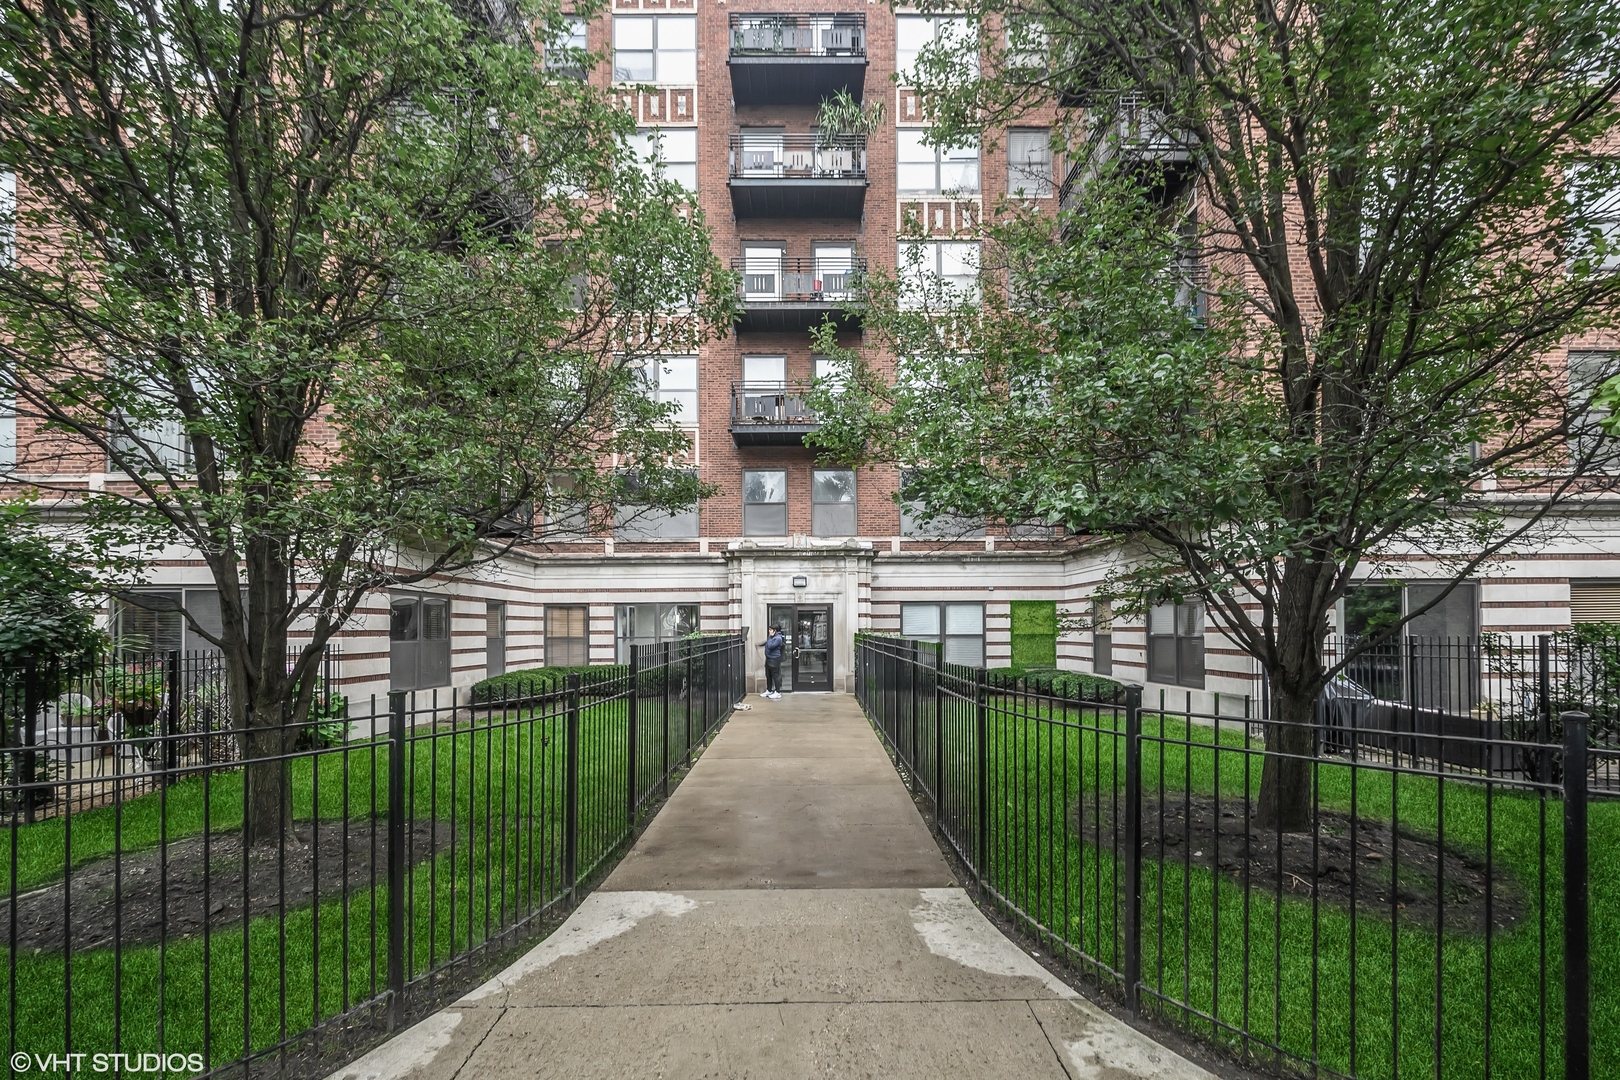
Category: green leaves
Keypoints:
(1404, 214)
(333, 293)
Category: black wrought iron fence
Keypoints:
(416, 837)
(71, 735)
(1425, 907)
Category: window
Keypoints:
(761, 151)
(1029, 163)
(568, 642)
(147, 443)
(832, 502)
(8, 430)
(1593, 190)
(565, 55)
(566, 513)
(494, 638)
(765, 371)
(963, 626)
(1588, 371)
(8, 217)
(933, 170)
(948, 269)
(674, 380)
(1442, 672)
(915, 523)
(1027, 45)
(1176, 643)
(765, 503)
(1594, 601)
(672, 151)
(1455, 616)
(762, 272)
(1102, 637)
(639, 522)
(834, 270)
(913, 33)
(655, 49)
(649, 624)
(418, 642)
(830, 372)
(151, 621)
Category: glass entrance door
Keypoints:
(812, 648)
(809, 660)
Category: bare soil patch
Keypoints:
(153, 901)
(1379, 870)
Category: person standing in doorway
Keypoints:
(773, 645)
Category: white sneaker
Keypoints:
(776, 695)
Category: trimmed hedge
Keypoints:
(535, 682)
(1069, 684)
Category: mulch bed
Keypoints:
(1400, 874)
(154, 903)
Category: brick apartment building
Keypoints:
(727, 96)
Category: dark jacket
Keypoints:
(773, 646)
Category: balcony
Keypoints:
(1145, 144)
(795, 295)
(788, 59)
(774, 175)
(771, 414)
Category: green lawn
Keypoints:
(1196, 951)
(503, 786)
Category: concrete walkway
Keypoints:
(787, 914)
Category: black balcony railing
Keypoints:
(771, 413)
(804, 34)
(799, 281)
(798, 157)
(796, 59)
(764, 404)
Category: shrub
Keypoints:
(1070, 684)
(537, 682)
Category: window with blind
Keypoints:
(959, 626)
(1102, 637)
(1176, 644)
(418, 642)
(494, 638)
(1594, 601)
(152, 620)
(1029, 163)
(568, 642)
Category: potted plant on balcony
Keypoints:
(842, 125)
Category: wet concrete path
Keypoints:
(787, 914)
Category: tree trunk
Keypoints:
(267, 788)
(1294, 670)
(267, 780)
(1285, 779)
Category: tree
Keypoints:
(334, 293)
(44, 617)
(1404, 216)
